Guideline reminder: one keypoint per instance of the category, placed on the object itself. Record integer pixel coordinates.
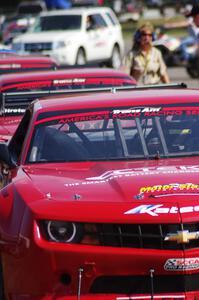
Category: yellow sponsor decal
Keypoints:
(170, 187)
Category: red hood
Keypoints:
(139, 190)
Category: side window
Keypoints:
(112, 18)
(16, 143)
(95, 21)
(99, 20)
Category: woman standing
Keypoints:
(147, 65)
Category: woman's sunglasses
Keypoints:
(146, 34)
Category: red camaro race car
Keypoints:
(47, 81)
(10, 62)
(100, 198)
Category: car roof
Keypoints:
(63, 73)
(143, 97)
(75, 10)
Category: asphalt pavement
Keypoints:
(179, 74)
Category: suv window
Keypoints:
(99, 20)
(112, 19)
(65, 22)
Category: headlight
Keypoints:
(60, 231)
(59, 44)
(69, 232)
(17, 46)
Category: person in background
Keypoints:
(146, 62)
(194, 14)
(193, 59)
(192, 25)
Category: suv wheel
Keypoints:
(81, 57)
(116, 60)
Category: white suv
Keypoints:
(75, 36)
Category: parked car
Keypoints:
(32, 84)
(12, 62)
(66, 36)
(20, 21)
(100, 197)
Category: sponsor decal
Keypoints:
(145, 171)
(116, 113)
(12, 111)
(90, 117)
(182, 264)
(146, 111)
(172, 187)
(10, 66)
(155, 210)
(136, 110)
(60, 82)
(122, 173)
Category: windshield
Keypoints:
(116, 134)
(60, 22)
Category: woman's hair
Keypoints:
(147, 26)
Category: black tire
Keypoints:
(193, 67)
(81, 57)
(116, 59)
(193, 73)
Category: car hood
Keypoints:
(48, 36)
(134, 190)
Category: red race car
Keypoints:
(11, 62)
(47, 81)
(100, 196)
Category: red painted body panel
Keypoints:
(18, 62)
(38, 269)
(83, 73)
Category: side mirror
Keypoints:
(5, 156)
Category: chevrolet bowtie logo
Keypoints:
(182, 237)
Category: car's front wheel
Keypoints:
(116, 59)
(81, 57)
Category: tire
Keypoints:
(81, 57)
(192, 67)
(193, 73)
(116, 59)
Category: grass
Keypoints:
(130, 27)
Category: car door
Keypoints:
(97, 42)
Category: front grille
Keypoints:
(38, 47)
(142, 284)
(147, 236)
